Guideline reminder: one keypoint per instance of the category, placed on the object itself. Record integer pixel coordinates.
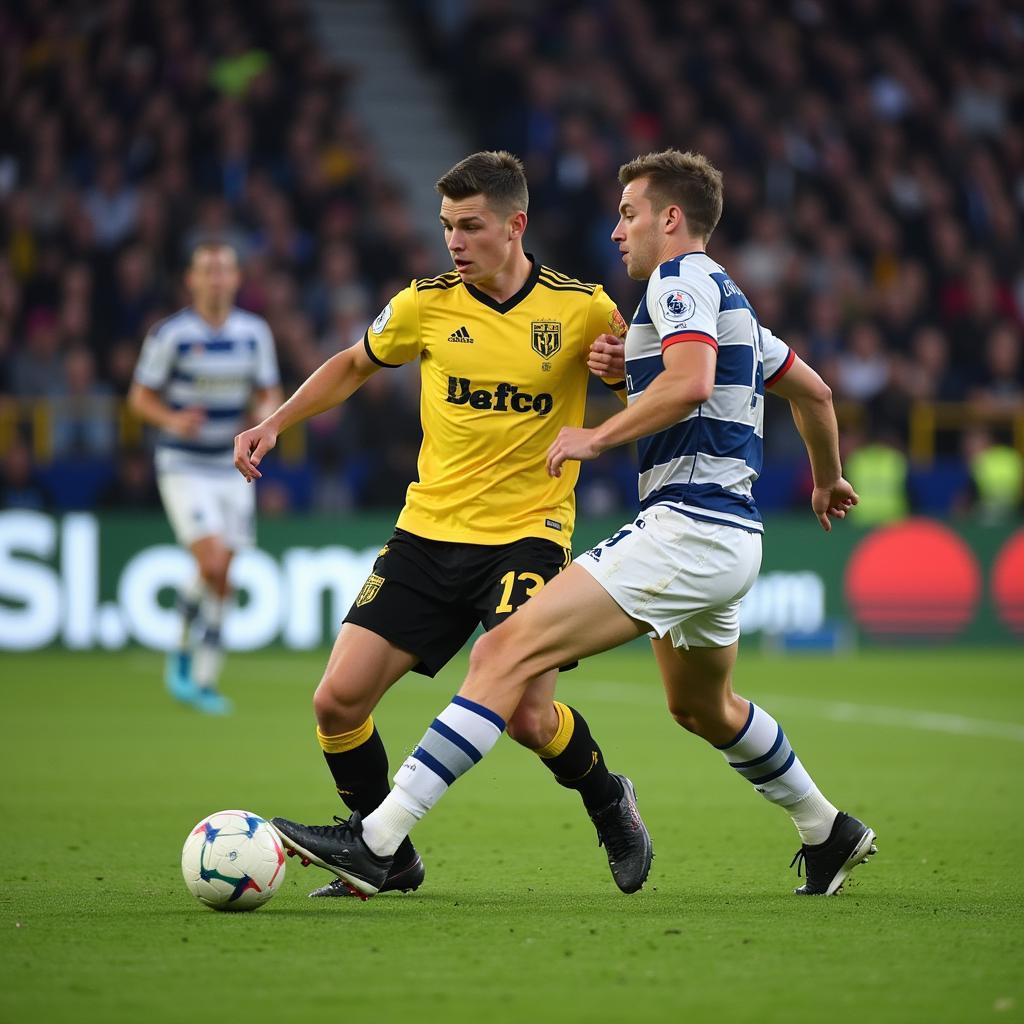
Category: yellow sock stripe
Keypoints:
(562, 734)
(345, 740)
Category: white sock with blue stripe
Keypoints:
(456, 740)
(761, 753)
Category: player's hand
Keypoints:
(833, 501)
(250, 447)
(572, 443)
(607, 357)
(186, 423)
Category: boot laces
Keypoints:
(798, 860)
(342, 828)
(613, 832)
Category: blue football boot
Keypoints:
(208, 700)
(178, 676)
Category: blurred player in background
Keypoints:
(504, 345)
(697, 364)
(201, 374)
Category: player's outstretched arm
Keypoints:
(810, 399)
(325, 388)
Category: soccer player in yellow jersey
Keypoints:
(505, 347)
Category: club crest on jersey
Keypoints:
(547, 337)
(677, 305)
(370, 588)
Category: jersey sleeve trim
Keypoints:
(782, 370)
(614, 385)
(677, 336)
(150, 380)
(379, 362)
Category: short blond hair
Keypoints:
(689, 180)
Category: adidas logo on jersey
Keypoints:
(503, 398)
(461, 336)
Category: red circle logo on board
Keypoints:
(916, 578)
(1008, 583)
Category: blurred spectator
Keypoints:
(379, 412)
(878, 470)
(1000, 383)
(134, 485)
(36, 367)
(862, 370)
(82, 412)
(274, 499)
(111, 205)
(997, 477)
(18, 485)
(336, 287)
(131, 297)
(927, 374)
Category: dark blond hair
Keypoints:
(212, 245)
(498, 176)
(688, 180)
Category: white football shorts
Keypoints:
(684, 577)
(210, 505)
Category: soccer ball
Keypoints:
(233, 860)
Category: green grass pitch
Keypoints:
(102, 777)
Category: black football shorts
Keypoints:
(428, 596)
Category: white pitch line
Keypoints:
(836, 711)
(907, 718)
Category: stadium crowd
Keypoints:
(874, 165)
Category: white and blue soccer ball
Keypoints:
(233, 860)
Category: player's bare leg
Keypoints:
(572, 617)
(192, 676)
(698, 687)
(213, 557)
(362, 667)
(360, 670)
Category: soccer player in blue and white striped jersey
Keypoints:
(697, 364)
(200, 375)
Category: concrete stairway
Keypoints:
(402, 104)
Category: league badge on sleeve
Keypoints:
(382, 319)
(677, 306)
(617, 324)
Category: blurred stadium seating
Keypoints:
(874, 165)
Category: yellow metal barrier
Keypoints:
(926, 420)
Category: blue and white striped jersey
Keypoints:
(193, 364)
(706, 464)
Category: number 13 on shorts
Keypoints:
(533, 583)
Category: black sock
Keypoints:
(361, 777)
(579, 763)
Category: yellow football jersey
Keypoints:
(498, 382)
